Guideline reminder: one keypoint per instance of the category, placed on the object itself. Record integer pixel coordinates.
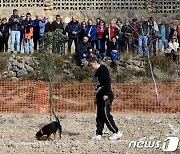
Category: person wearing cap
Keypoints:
(15, 23)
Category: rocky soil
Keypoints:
(17, 134)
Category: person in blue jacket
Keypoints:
(91, 32)
(44, 26)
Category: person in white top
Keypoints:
(173, 50)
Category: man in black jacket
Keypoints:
(15, 24)
(58, 24)
(82, 50)
(73, 29)
(103, 99)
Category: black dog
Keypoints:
(49, 129)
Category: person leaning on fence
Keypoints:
(103, 99)
(173, 50)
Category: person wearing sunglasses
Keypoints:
(173, 50)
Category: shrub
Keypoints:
(123, 76)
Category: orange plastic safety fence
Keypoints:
(33, 97)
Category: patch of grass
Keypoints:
(161, 62)
(82, 74)
(123, 76)
(167, 80)
(3, 61)
(67, 79)
(139, 73)
(126, 56)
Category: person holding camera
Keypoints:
(15, 26)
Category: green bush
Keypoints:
(161, 62)
(3, 61)
(123, 76)
(84, 74)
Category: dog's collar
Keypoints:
(41, 131)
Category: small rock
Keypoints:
(14, 68)
(15, 62)
(11, 74)
(22, 73)
(29, 69)
(5, 73)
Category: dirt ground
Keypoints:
(17, 134)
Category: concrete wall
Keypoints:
(84, 9)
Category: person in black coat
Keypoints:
(73, 29)
(171, 31)
(83, 49)
(4, 30)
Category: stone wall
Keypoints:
(84, 9)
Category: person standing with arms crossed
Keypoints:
(103, 99)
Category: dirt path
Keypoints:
(17, 134)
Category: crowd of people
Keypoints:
(138, 36)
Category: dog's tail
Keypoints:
(60, 127)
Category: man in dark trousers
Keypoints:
(73, 29)
(103, 99)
